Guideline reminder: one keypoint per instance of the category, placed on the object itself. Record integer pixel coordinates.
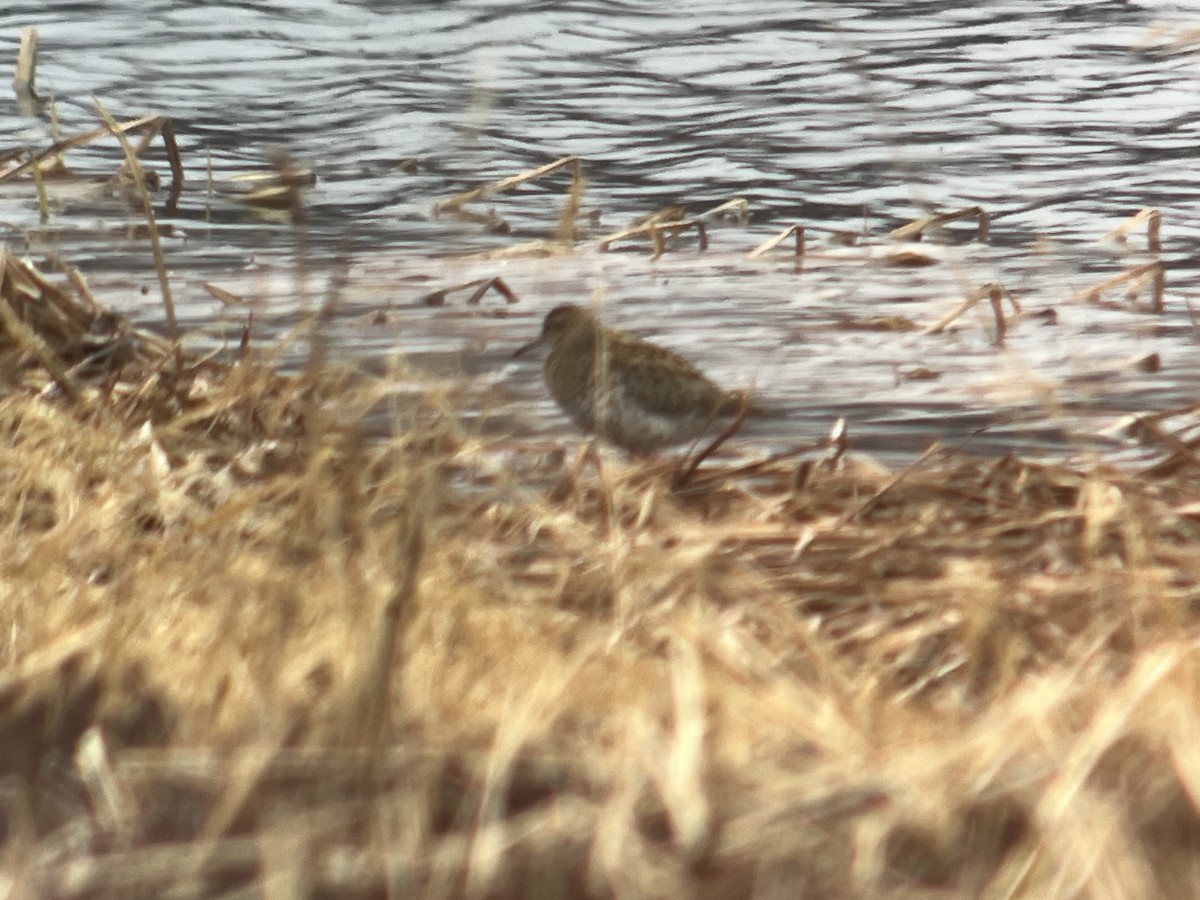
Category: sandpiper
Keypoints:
(624, 389)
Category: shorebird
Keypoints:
(624, 389)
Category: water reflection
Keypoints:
(1050, 115)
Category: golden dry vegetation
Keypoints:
(250, 652)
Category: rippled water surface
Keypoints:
(1058, 118)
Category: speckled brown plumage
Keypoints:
(624, 389)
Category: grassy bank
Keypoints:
(250, 652)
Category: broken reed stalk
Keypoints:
(644, 225)
(504, 184)
(1135, 278)
(25, 78)
(737, 209)
(139, 179)
(767, 246)
(78, 140)
(1148, 216)
(995, 294)
(479, 287)
(670, 221)
(915, 229)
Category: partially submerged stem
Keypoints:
(139, 179)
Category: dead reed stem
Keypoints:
(139, 180)
(1148, 216)
(769, 245)
(996, 294)
(78, 140)
(504, 184)
(25, 77)
(916, 229)
(1135, 277)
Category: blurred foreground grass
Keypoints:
(251, 653)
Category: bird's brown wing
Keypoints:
(664, 383)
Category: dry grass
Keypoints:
(250, 653)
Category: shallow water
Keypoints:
(1058, 118)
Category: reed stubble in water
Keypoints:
(626, 390)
